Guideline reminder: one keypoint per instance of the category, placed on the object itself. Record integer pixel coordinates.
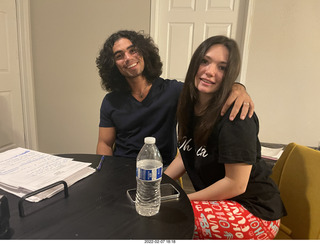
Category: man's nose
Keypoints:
(127, 56)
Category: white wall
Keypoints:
(283, 76)
(283, 67)
(66, 38)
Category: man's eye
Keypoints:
(133, 51)
(118, 56)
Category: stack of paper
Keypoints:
(23, 171)
(271, 153)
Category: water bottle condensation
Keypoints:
(148, 174)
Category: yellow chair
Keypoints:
(181, 182)
(180, 178)
(297, 173)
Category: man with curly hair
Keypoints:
(140, 103)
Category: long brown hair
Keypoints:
(189, 94)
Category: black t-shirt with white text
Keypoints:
(234, 142)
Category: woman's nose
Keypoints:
(211, 70)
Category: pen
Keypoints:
(100, 164)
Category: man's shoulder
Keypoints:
(115, 98)
(115, 94)
(169, 83)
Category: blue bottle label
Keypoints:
(149, 174)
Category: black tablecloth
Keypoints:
(98, 208)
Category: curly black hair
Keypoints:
(111, 78)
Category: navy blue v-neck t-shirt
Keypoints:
(133, 120)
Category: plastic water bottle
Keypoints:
(148, 175)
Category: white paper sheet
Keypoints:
(23, 171)
(271, 153)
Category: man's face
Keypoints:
(128, 60)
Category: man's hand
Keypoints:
(240, 96)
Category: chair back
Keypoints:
(297, 174)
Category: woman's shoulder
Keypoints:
(226, 116)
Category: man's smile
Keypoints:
(132, 65)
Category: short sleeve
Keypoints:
(238, 140)
(105, 113)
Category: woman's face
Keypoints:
(211, 70)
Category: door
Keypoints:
(179, 26)
(11, 114)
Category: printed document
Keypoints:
(271, 153)
(23, 171)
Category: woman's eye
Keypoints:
(204, 61)
(223, 68)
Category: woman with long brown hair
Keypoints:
(235, 198)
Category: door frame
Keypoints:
(154, 23)
(26, 73)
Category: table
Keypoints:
(98, 208)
